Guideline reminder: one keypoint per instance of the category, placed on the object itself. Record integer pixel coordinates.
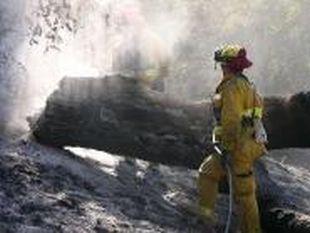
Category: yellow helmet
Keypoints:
(227, 53)
(233, 57)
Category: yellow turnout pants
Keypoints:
(210, 174)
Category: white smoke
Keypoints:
(12, 71)
(41, 41)
(78, 38)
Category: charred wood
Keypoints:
(117, 115)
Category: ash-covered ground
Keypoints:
(52, 190)
(45, 189)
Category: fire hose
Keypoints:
(223, 154)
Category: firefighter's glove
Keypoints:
(260, 134)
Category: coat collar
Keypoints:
(225, 79)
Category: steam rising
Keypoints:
(44, 40)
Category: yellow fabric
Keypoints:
(237, 97)
(210, 174)
(247, 208)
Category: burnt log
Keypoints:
(116, 114)
(287, 121)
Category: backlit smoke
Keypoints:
(42, 41)
(75, 38)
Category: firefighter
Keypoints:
(238, 111)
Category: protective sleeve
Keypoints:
(231, 117)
